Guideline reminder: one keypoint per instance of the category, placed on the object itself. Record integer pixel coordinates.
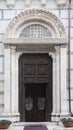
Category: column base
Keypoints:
(14, 118)
(65, 114)
(53, 116)
(57, 117)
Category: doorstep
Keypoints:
(49, 125)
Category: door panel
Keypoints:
(35, 87)
(35, 102)
(35, 69)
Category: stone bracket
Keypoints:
(61, 2)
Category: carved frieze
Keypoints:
(28, 16)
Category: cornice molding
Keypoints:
(34, 45)
(61, 2)
(11, 3)
(35, 14)
(34, 41)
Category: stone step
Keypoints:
(49, 125)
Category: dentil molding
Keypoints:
(11, 3)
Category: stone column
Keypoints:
(58, 89)
(13, 78)
(7, 80)
(16, 82)
(53, 118)
(63, 74)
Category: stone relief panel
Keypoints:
(35, 15)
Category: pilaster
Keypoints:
(16, 105)
(54, 111)
(58, 89)
(7, 91)
(63, 79)
(12, 79)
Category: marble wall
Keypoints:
(10, 8)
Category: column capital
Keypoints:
(13, 49)
(6, 46)
(57, 48)
(18, 55)
(53, 55)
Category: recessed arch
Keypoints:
(42, 17)
(36, 31)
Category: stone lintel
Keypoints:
(31, 48)
(49, 41)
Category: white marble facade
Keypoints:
(16, 16)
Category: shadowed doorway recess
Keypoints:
(35, 87)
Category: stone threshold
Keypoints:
(49, 125)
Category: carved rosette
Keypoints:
(31, 15)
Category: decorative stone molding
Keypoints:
(52, 54)
(6, 46)
(49, 41)
(29, 16)
(13, 49)
(10, 3)
(61, 2)
(43, 2)
(27, 2)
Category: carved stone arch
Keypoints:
(32, 15)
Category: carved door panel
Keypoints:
(35, 69)
(35, 87)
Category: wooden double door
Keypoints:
(35, 87)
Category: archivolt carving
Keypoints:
(35, 14)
